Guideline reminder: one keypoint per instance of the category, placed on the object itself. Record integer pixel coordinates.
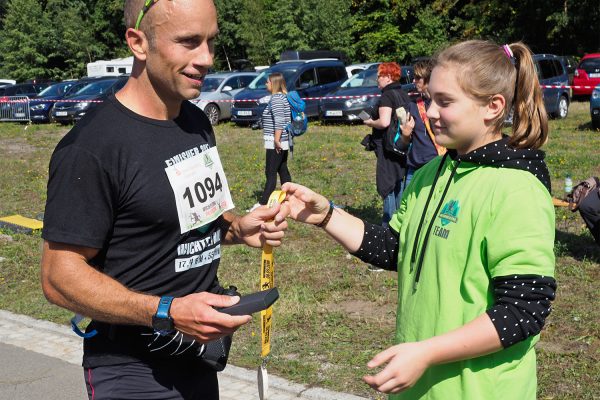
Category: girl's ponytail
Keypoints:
(530, 121)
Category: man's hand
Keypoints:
(195, 316)
(263, 225)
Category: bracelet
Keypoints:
(325, 221)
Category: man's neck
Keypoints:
(139, 96)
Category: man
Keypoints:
(137, 212)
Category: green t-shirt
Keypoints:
(492, 222)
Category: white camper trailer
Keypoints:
(114, 67)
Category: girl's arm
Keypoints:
(312, 208)
(407, 362)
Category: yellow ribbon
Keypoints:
(267, 281)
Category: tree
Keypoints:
(23, 41)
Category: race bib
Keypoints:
(200, 188)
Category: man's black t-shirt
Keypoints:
(390, 168)
(108, 190)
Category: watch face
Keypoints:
(162, 324)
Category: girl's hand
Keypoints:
(305, 205)
(407, 128)
(278, 147)
(406, 364)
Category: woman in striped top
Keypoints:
(275, 119)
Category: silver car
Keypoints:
(218, 91)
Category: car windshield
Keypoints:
(590, 63)
(96, 87)
(56, 90)
(211, 84)
(366, 78)
(260, 82)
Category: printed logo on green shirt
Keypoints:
(450, 212)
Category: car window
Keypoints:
(590, 64)
(245, 80)
(560, 70)
(211, 84)
(327, 75)
(306, 79)
(546, 69)
(56, 90)
(118, 85)
(233, 82)
(96, 87)
(260, 82)
(366, 78)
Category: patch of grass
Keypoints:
(333, 315)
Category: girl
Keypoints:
(472, 240)
(275, 119)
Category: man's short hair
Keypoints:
(132, 11)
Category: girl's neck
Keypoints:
(487, 138)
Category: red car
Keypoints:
(587, 75)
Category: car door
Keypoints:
(306, 85)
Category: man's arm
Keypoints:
(263, 225)
(69, 281)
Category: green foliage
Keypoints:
(57, 38)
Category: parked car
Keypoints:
(221, 86)
(17, 111)
(75, 106)
(25, 89)
(595, 107)
(364, 93)
(587, 74)
(356, 68)
(311, 78)
(551, 72)
(40, 106)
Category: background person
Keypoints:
(135, 217)
(473, 240)
(390, 168)
(275, 118)
(423, 147)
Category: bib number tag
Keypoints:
(201, 190)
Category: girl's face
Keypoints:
(459, 121)
(269, 85)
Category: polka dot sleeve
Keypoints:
(379, 247)
(522, 306)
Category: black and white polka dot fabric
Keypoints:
(379, 247)
(521, 307)
(500, 154)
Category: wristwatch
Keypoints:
(161, 321)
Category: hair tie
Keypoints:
(509, 53)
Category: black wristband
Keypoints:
(325, 221)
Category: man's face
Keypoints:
(183, 47)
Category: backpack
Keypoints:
(392, 141)
(581, 191)
(299, 123)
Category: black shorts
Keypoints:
(139, 380)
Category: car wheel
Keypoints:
(213, 113)
(563, 108)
